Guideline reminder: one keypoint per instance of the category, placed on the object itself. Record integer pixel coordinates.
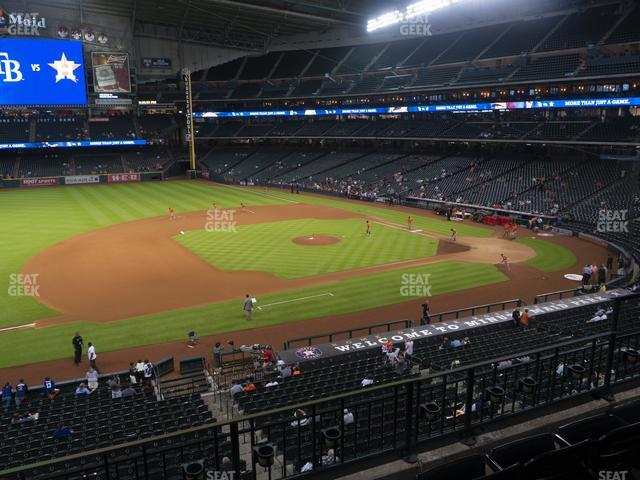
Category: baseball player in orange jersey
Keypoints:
(368, 229)
(504, 260)
(454, 234)
(410, 222)
(172, 214)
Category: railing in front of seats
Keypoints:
(348, 334)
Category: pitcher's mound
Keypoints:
(316, 240)
(445, 247)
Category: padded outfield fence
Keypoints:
(393, 417)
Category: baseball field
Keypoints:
(106, 260)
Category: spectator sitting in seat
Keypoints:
(63, 431)
(116, 391)
(296, 371)
(285, 372)
(348, 417)
(50, 388)
(226, 465)
(30, 416)
(92, 379)
(236, 389)
(366, 381)
(272, 383)
(600, 315)
(128, 391)
(82, 390)
(451, 344)
(330, 458)
(301, 418)
(250, 387)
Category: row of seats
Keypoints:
(584, 449)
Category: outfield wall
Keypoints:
(81, 180)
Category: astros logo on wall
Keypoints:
(308, 353)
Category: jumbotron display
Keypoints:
(41, 72)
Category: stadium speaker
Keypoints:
(331, 436)
(264, 454)
(576, 371)
(430, 411)
(495, 394)
(193, 470)
(527, 385)
(629, 355)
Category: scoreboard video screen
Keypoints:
(42, 72)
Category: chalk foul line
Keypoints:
(328, 294)
(17, 327)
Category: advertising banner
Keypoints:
(81, 179)
(124, 178)
(110, 72)
(39, 182)
(156, 63)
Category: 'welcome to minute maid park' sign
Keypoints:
(448, 327)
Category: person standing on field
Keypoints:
(91, 354)
(248, 307)
(77, 343)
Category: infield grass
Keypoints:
(550, 256)
(268, 247)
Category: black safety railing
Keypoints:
(347, 334)
(392, 417)
(485, 308)
(558, 295)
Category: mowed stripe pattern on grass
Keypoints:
(550, 256)
(389, 214)
(350, 295)
(268, 247)
(33, 219)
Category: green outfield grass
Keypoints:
(550, 256)
(268, 247)
(350, 295)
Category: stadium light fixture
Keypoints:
(411, 11)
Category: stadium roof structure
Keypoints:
(245, 24)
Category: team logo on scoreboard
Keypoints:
(64, 69)
(9, 69)
(308, 353)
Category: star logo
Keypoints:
(64, 69)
